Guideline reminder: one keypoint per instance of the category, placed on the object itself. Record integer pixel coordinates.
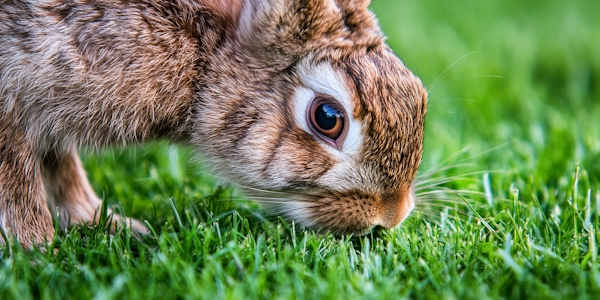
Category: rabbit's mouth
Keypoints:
(343, 213)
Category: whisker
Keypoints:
(432, 183)
(269, 201)
(436, 213)
(431, 101)
(475, 76)
(455, 155)
(435, 200)
(463, 174)
(485, 152)
(427, 217)
(275, 198)
(262, 190)
(440, 180)
(432, 172)
(450, 195)
(460, 163)
(439, 77)
(294, 209)
(434, 179)
(449, 191)
(439, 214)
(435, 207)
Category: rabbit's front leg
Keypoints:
(69, 190)
(23, 210)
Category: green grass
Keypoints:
(521, 75)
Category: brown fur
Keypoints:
(214, 73)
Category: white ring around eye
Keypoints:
(323, 79)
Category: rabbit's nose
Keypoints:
(395, 208)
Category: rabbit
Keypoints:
(299, 102)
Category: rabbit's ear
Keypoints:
(281, 27)
(275, 32)
(260, 17)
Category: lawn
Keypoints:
(513, 127)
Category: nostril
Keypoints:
(395, 208)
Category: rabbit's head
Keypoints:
(307, 107)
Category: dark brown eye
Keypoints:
(327, 118)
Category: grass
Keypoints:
(516, 84)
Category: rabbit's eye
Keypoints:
(327, 118)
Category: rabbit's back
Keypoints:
(94, 72)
